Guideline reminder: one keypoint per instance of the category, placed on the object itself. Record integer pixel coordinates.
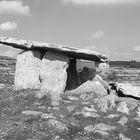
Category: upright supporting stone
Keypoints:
(27, 70)
(54, 75)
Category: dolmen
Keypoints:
(48, 67)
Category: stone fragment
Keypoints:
(123, 120)
(100, 128)
(87, 97)
(2, 86)
(94, 87)
(47, 116)
(88, 112)
(106, 103)
(129, 89)
(32, 113)
(111, 116)
(123, 108)
(98, 78)
(57, 126)
(54, 75)
(71, 108)
(27, 70)
(122, 137)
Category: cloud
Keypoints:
(96, 35)
(13, 7)
(8, 26)
(137, 48)
(88, 2)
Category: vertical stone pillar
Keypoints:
(54, 75)
(27, 70)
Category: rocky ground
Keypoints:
(82, 116)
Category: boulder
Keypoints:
(94, 87)
(129, 89)
(27, 70)
(106, 103)
(53, 75)
(123, 108)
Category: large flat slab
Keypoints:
(71, 52)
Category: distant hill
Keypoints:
(127, 64)
(6, 58)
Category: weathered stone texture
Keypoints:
(77, 53)
(27, 70)
(94, 87)
(54, 75)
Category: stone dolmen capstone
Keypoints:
(47, 66)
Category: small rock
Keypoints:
(42, 107)
(99, 128)
(72, 98)
(2, 86)
(123, 120)
(112, 116)
(89, 109)
(47, 116)
(106, 103)
(88, 112)
(32, 113)
(86, 97)
(123, 108)
(122, 137)
(70, 108)
(138, 129)
(57, 138)
(57, 126)
(138, 112)
(137, 119)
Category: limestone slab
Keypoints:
(27, 70)
(70, 51)
(53, 74)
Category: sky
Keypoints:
(111, 27)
